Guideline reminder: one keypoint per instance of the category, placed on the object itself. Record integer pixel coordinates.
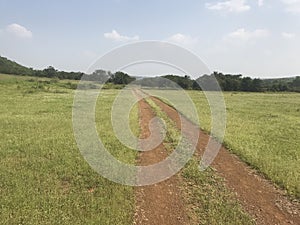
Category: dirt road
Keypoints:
(162, 203)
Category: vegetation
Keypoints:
(263, 129)
(10, 67)
(184, 82)
(227, 82)
(43, 177)
(121, 78)
(230, 82)
(208, 199)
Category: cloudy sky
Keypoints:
(258, 38)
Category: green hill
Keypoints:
(10, 67)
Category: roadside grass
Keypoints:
(43, 177)
(263, 129)
(208, 200)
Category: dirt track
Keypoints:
(163, 203)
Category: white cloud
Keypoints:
(244, 35)
(288, 36)
(182, 39)
(260, 3)
(19, 31)
(292, 6)
(114, 35)
(236, 6)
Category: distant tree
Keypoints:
(256, 85)
(184, 82)
(229, 82)
(50, 72)
(208, 82)
(279, 86)
(295, 84)
(196, 86)
(99, 75)
(246, 84)
(121, 78)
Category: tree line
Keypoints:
(10, 67)
(227, 82)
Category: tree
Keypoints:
(246, 84)
(99, 75)
(121, 78)
(50, 72)
(184, 82)
(256, 85)
(296, 84)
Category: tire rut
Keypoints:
(161, 203)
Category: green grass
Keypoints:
(43, 177)
(208, 200)
(264, 130)
(45, 180)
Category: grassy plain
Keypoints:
(43, 177)
(264, 130)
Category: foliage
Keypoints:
(230, 82)
(184, 82)
(101, 76)
(10, 67)
(121, 78)
(227, 82)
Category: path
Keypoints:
(162, 203)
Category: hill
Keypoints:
(10, 67)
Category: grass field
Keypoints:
(261, 128)
(43, 177)
(45, 180)
(264, 130)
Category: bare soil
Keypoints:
(161, 203)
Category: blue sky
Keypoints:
(254, 37)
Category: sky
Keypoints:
(256, 38)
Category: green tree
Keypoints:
(121, 78)
(50, 72)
